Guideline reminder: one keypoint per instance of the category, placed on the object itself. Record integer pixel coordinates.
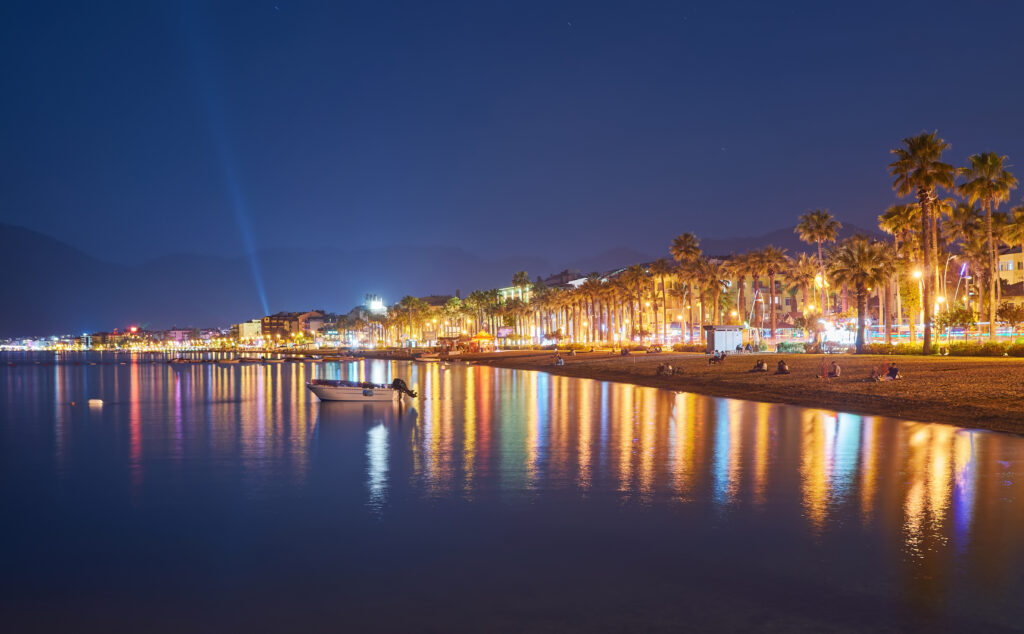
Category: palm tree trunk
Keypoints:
(689, 308)
(861, 308)
(924, 199)
(992, 273)
(664, 313)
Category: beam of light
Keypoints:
(241, 212)
(196, 42)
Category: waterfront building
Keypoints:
(249, 330)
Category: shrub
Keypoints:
(879, 348)
(964, 349)
(688, 347)
(908, 348)
(763, 346)
(992, 349)
(637, 348)
(792, 347)
(579, 347)
(1015, 350)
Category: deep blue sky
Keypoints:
(511, 127)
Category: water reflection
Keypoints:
(938, 502)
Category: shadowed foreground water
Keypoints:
(216, 497)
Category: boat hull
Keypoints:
(347, 393)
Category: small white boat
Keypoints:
(236, 360)
(358, 391)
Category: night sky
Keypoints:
(136, 129)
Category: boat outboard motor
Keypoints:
(399, 384)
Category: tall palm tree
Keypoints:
(739, 268)
(900, 222)
(590, 291)
(521, 282)
(919, 170)
(757, 267)
(685, 249)
(1014, 235)
(817, 227)
(801, 276)
(661, 268)
(714, 275)
(776, 263)
(860, 263)
(990, 183)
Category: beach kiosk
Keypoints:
(482, 342)
(723, 338)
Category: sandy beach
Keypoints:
(982, 393)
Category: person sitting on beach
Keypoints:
(893, 373)
(760, 366)
(748, 348)
(782, 367)
(833, 372)
(558, 359)
(665, 369)
(625, 351)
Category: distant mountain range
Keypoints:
(49, 287)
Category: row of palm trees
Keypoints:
(693, 289)
(928, 227)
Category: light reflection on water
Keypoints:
(937, 510)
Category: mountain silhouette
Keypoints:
(49, 287)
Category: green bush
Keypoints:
(964, 349)
(792, 347)
(975, 349)
(763, 346)
(909, 348)
(579, 347)
(1015, 350)
(688, 347)
(993, 349)
(637, 348)
(899, 348)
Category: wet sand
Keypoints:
(982, 393)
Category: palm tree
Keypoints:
(801, 276)
(990, 183)
(739, 268)
(899, 221)
(521, 281)
(775, 262)
(661, 268)
(757, 267)
(919, 170)
(1014, 235)
(590, 291)
(860, 263)
(685, 249)
(816, 227)
(714, 275)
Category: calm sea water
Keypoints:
(217, 498)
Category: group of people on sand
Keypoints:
(666, 369)
(890, 374)
(762, 366)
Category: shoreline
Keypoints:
(976, 393)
